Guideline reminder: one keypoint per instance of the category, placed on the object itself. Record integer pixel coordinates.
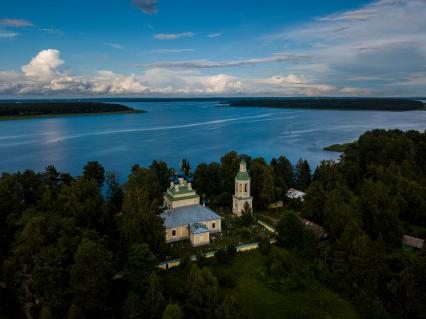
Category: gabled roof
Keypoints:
(294, 193)
(412, 241)
(198, 228)
(188, 215)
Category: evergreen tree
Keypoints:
(202, 299)
(91, 276)
(262, 186)
(379, 211)
(201, 179)
(290, 230)
(214, 181)
(229, 309)
(173, 311)
(114, 192)
(302, 174)
(94, 171)
(163, 173)
(141, 262)
(154, 300)
(340, 209)
(283, 175)
(134, 307)
(51, 177)
(84, 202)
(314, 202)
(139, 222)
(413, 284)
(229, 165)
(327, 173)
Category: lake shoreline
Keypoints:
(339, 104)
(29, 117)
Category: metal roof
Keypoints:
(187, 215)
(198, 228)
(294, 193)
(243, 176)
(412, 241)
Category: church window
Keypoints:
(246, 187)
(241, 187)
(213, 225)
(174, 233)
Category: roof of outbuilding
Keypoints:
(413, 241)
(187, 215)
(294, 193)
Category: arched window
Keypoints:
(241, 188)
(246, 187)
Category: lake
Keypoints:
(198, 131)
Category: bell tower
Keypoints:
(242, 190)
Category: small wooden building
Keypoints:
(410, 243)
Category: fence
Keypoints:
(241, 248)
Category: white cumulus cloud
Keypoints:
(44, 66)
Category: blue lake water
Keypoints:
(198, 131)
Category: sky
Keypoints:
(186, 48)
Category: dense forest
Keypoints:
(380, 104)
(35, 108)
(88, 247)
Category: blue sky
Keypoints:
(212, 48)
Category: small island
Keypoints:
(32, 109)
(350, 104)
(340, 148)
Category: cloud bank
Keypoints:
(43, 76)
(382, 45)
(206, 64)
(378, 49)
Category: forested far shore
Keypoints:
(29, 109)
(378, 104)
(88, 247)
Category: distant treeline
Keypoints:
(51, 108)
(380, 104)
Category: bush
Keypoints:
(264, 244)
(226, 279)
(231, 250)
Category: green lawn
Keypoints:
(257, 300)
(271, 217)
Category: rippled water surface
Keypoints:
(199, 131)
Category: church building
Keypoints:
(242, 196)
(184, 217)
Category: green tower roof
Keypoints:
(243, 176)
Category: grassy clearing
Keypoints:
(257, 300)
(271, 217)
